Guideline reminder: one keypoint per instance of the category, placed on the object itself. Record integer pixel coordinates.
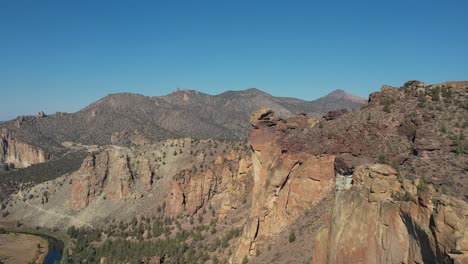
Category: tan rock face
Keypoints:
(188, 181)
(111, 172)
(286, 183)
(374, 223)
(19, 154)
(226, 177)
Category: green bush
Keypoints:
(292, 236)
(423, 185)
(404, 197)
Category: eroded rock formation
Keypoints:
(112, 172)
(286, 182)
(227, 177)
(189, 178)
(19, 154)
(378, 216)
(384, 220)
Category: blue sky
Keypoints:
(63, 55)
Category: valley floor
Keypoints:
(22, 248)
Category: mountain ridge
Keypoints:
(130, 118)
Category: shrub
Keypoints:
(381, 158)
(446, 92)
(435, 94)
(292, 236)
(459, 146)
(423, 185)
(386, 108)
(405, 196)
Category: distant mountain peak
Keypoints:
(338, 92)
(255, 90)
(341, 94)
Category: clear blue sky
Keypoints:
(63, 55)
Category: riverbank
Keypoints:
(56, 243)
(22, 248)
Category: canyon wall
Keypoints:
(377, 216)
(113, 172)
(286, 182)
(185, 177)
(19, 154)
(382, 219)
(227, 177)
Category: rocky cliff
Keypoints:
(384, 219)
(113, 173)
(286, 182)
(227, 177)
(187, 174)
(396, 212)
(382, 184)
(18, 154)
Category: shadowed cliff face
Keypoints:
(18, 154)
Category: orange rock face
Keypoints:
(377, 217)
(286, 183)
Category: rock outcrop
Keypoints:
(286, 182)
(18, 154)
(380, 213)
(129, 138)
(384, 220)
(227, 177)
(192, 176)
(113, 172)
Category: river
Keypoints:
(55, 250)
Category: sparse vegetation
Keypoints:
(459, 144)
(386, 108)
(382, 159)
(404, 196)
(292, 236)
(423, 185)
(39, 173)
(127, 243)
